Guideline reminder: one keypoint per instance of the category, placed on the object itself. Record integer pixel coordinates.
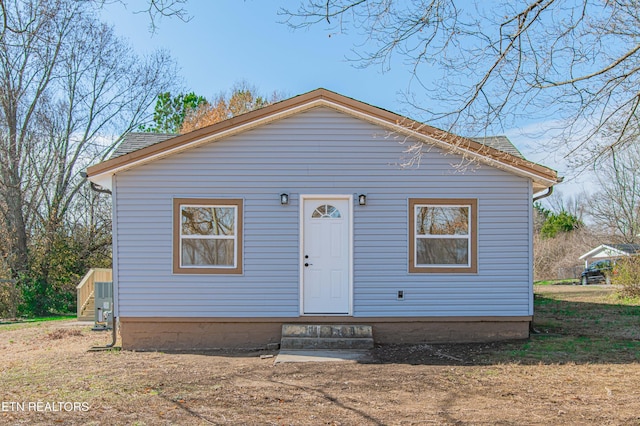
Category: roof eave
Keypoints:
(542, 177)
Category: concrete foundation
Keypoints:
(249, 333)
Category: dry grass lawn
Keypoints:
(582, 368)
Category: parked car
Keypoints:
(598, 272)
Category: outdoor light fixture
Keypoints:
(362, 199)
(284, 198)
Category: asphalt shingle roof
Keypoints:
(501, 143)
(627, 248)
(135, 141)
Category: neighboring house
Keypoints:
(610, 251)
(300, 213)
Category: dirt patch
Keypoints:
(435, 354)
(503, 383)
(61, 333)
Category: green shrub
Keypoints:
(627, 275)
(40, 298)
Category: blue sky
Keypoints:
(228, 41)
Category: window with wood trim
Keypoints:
(443, 235)
(207, 236)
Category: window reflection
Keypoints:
(433, 220)
(207, 236)
(208, 220)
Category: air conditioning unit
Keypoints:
(103, 294)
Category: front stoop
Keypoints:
(326, 336)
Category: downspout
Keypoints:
(95, 187)
(114, 329)
(560, 179)
(98, 188)
(539, 197)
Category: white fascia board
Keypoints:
(592, 252)
(611, 251)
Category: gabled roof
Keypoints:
(506, 159)
(613, 250)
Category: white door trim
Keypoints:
(349, 198)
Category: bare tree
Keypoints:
(575, 62)
(573, 204)
(68, 89)
(616, 206)
(154, 9)
(166, 8)
(558, 257)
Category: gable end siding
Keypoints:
(320, 151)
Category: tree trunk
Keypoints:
(17, 235)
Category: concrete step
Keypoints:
(327, 330)
(320, 343)
(326, 336)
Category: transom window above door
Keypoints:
(326, 211)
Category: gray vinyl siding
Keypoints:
(320, 151)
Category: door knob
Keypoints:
(308, 264)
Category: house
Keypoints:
(610, 251)
(300, 213)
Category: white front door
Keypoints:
(326, 256)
